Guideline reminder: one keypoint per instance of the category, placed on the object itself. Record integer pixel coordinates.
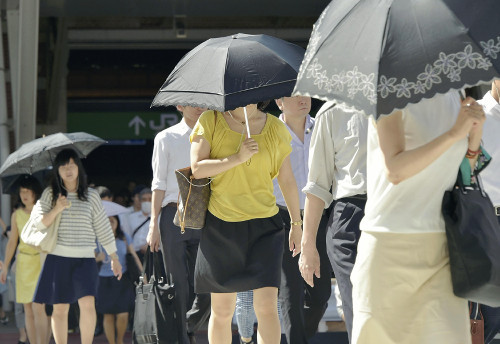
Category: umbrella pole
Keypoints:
(246, 121)
(59, 188)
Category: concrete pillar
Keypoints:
(28, 71)
(4, 130)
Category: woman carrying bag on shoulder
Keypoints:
(70, 271)
(241, 245)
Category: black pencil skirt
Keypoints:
(239, 256)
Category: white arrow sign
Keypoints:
(137, 122)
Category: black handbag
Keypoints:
(155, 318)
(473, 234)
(133, 271)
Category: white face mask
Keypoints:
(146, 207)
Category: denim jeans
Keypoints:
(245, 315)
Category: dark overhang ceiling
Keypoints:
(169, 8)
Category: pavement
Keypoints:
(335, 334)
(332, 330)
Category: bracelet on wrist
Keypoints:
(296, 223)
(472, 154)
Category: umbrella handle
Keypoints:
(246, 121)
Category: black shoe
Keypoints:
(192, 338)
(98, 331)
(4, 320)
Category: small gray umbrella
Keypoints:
(39, 154)
(380, 55)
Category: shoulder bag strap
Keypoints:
(139, 227)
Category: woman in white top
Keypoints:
(402, 290)
(70, 271)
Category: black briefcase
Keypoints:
(473, 234)
(155, 318)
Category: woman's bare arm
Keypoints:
(203, 167)
(402, 164)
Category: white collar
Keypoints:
(490, 105)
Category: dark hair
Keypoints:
(263, 104)
(104, 192)
(30, 183)
(119, 232)
(138, 189)
(62, 158)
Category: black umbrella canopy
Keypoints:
(39, 154)
(380, 55)
(229, 72)
(11, 184)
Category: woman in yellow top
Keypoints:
(241, 245)
(28, 264)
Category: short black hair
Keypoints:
(31, 183)
(119, 231)
(263, 104)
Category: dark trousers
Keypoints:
(302, 307)
(179, 257)
(491, 322)
(491, 319)
(342, 247)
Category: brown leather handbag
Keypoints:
(192, 204)
(194, 194)
(476, 323)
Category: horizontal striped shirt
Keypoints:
(80, 225)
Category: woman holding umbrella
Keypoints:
(28, 263)
(70, 271)
(402, 290)
(241, 244)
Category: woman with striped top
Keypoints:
(70, 271)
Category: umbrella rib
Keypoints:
(194, 92)
(257, 87)
(218, 94)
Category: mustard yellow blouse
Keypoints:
(246, 191)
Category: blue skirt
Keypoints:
(65, 280)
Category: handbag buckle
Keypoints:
(497, 211)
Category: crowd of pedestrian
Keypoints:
(322, 170)
(295, 201)
(67, 279)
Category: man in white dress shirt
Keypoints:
(337, 171)
(299, 324)
(491, 182)
(139, 223)
(171, 152)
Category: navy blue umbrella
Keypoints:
(380, 55)
(230, 72)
